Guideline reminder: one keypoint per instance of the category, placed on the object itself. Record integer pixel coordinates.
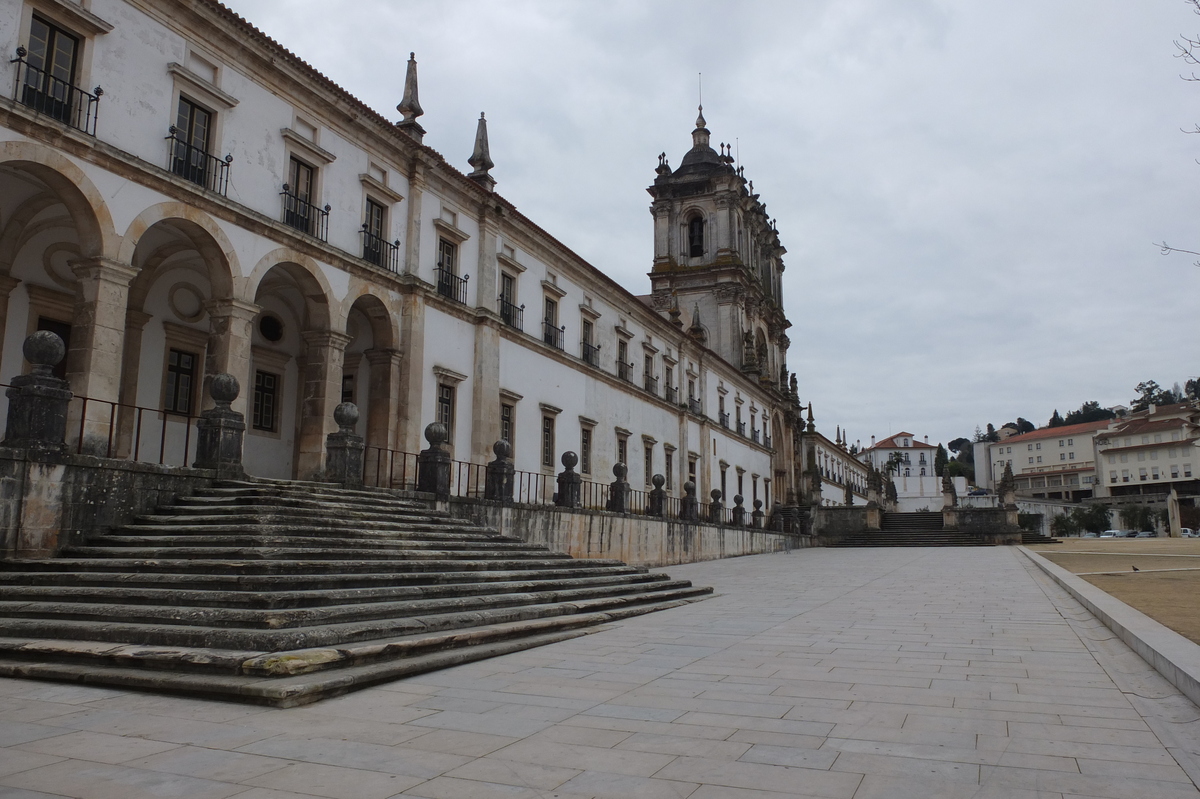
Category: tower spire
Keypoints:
(481, 159)
(410, 106)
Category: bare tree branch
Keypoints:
(1167, 250)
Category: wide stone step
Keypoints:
(244, 515)
(297, 566)
(126, 594)
(317, 542)
(291, 678)
(415, 532)
(265, 583)
(289, 618)
(323, 635)
(298, 503)
(302, 490)
(395, 553)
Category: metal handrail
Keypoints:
(194, 164)
(511, 314)
(302, 215)
(451, 286)
(55, 97)
(380, 251)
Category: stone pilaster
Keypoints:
(97, 350)
(7, 284)
(135, 326)
(320, 393)
(412, 335)
(383, 398)
(231, 329)
(412, 235)
(485, 390)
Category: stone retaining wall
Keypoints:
(636, 540)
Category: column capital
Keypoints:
(7, 284)
(136, 320)
(326, 338)
(383, 356)
(106, 269)
(231, 306)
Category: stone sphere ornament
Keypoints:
(738, 499)
(620, 470)
(658, 480)
(224, 388)
(44, 349)
(502, 449)
(346, 415)
(715, 494)
(569, 460)
(689, 487)
(436, 433)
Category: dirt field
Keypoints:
(1167, 587)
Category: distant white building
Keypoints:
(1047, 463)
(1149, 453)
(917, 487)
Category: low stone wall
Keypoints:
(49, 504)
(831, 525)
(997, 526)
(636, 540)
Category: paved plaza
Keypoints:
(864, 673)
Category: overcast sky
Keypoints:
(969, 192)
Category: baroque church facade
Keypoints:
(180, 197)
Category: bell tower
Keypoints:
(716, 251)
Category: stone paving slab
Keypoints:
(839, 673)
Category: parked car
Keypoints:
(1188, 532)
(1111, 534)
(1146, 534)
(1091, 535)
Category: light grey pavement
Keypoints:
(864, 673)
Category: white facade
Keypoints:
(147, 254)
(1047, 463)
(917, 487)
(1151, 452)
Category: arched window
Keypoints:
(696, 237)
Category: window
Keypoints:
(1187, 470)
(298, 209)
(669, 457)
(181, 375)
(1124, 475)
(1070, 442)
(696, 237)
(447, 256)
(374, 243)
(1154, 455)
(193, 129)
(449, 284)
(1062, 456)
(348, 387)
(510, 314)
(648, 462)
(1112, 475)
(1154, 472)
(507, 421)
(1029, 447)
(1039, 458)
(585, 450)
(266, 401)
(50, 74)
(1070, 456)
(692, 469)
(1060, 442)
(445, 408)
(1039, 445)
(623, 450)
(1142, 473)
(623, 361)
(1174, 471)
(548, 441)
(908, 472)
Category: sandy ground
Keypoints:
(1167, 587)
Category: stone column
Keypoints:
(716, 511)
(221, 430)
(94, 361)
(433, 464)
(656, 502)
(618, 490)
(231, 328)
(689, 508)
(383, 398)
(320, 391)
(739, 511)
(485, 389)
(570, 484)
(412, 377)
(498, 481)
(412, 235)
(135, 325)
(7, 284)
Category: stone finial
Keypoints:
(715, 495)
(221, 430)
(502, 449)
(658, 481)
(569, 483)
(620, 470)
(481, 158)
(44, 350)
(689, 508)
(618, 490)
(696, 330)
(436, 434)
(346, 416)
(224, 389)
(499, 474)
(569, 460)
(656, 502)
(410, 106)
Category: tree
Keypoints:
(1064, 525)
(1151, 393)
(1025, 426)
(1138, 517)
(1189, 51)
(1056, 420)
(1089, 411)
(893, 462)
(940, 459)
(992, 435)
(1092, 518)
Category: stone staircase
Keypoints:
(1028, 538)
(911, 530)
(284, 593)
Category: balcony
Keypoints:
(590, 353)
(672, 394)
(379, 251)
(754, 436)
(451, 286)
(723, 418)
(695, 407)
(625, 371)
(552, 335)
(512, 315)
(302, 215)
(741, 428)
(55, 97)
(766, 441)
(650, 383)
(192, 163)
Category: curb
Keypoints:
(1176, 658)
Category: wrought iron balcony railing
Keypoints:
(451, 286)
(672, 394)
(625, 371)
(650, 383)
(380, 251)
(302, 215)
(192, 163)
(55, 97)
(741, 428)
(695, 407)
(754, 436)
(723, 418)
(512, 315)
(590, 353)
(766, 441)
(553, 335)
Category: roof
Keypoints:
(892, 442)
(1043, 433)
(1148, 424)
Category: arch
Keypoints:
(85, 204)
(384, 330)
(200, 229)
(695, 230)
(308, 277)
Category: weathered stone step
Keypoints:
(290, 618)
(395, 553)
(416, 532)
(306, 566)
(308, 490)
(285, 599)
(250, 516)
(254, 583)
(324, 635)
(315, 542)
(269, 499)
